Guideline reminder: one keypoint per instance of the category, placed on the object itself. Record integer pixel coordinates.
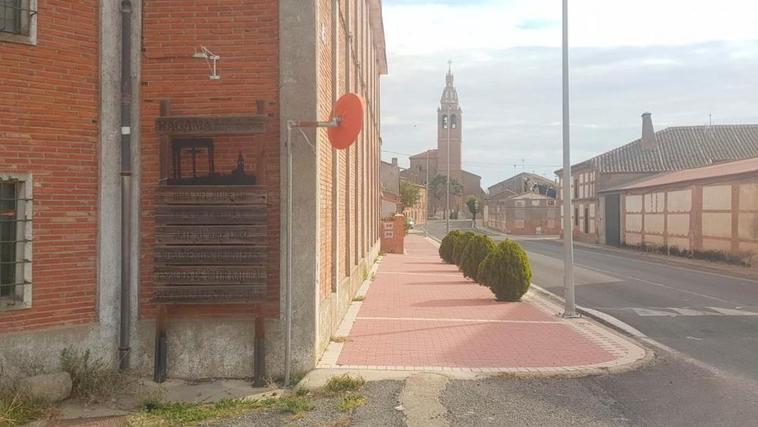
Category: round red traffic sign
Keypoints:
(349, 110)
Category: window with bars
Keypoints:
(18, 21)
(15, 242)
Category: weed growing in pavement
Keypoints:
(351, 402)
(17, 409)
(155, 413)
(158, 413)
(343, 383)
(296, 404)
(359, 298)
(91, 377)
(340, 339)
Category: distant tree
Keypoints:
(473, 206)
(409, 195)
(438, 189)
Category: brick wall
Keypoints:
(245, 33)
(48, 127)
(358, 166)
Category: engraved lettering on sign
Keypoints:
(239, 294)
(205, 235)
(210, 196)
(207, 255)
(194, 125)
(211, 245)
(208, 213)
(210, 276)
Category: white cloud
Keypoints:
(679, 59)
(426, 28)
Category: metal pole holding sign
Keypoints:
(343, 128)
(291, 124)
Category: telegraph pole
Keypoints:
(568, 240)
(427, 189)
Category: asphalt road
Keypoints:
(710, 321)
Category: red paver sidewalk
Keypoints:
(422, 313)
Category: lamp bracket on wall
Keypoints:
(212, 60)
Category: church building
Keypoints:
(425, 166)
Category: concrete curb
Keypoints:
(603, 330)
(600, 317)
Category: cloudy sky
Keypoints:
(682, 60)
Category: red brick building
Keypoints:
(213, 86)
(48, 165)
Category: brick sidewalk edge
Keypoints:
(629, 353)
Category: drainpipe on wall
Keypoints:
(335, 155)
(126, 185)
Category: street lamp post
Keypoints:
(447, 198)
(568, 244)
(427, 186)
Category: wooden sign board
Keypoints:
(210, 125)
(211, 245)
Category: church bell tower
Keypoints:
(449, 129)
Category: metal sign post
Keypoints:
(343, 129)
(292, 124)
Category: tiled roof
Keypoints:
(714, 171)
(422, 155)
(519, 178)
(682, 147)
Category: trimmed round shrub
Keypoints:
(460, 245)
(447, 244)
(506, 271)
(474, 253)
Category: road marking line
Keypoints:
(689, 311)
(656, 284)
(647, 312)
(732, 312)
(663, 264)
(748, 383)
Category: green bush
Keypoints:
(474, 253)
(446, 247)
(460, 245)
(506, 271)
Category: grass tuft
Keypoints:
(295, 405)
(341, 339)
(91, 377)
(17, 409)
(359, 298)
(351, 402)
(343, 383)
(155, 413)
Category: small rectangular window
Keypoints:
(18, 21)
(15, 242)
